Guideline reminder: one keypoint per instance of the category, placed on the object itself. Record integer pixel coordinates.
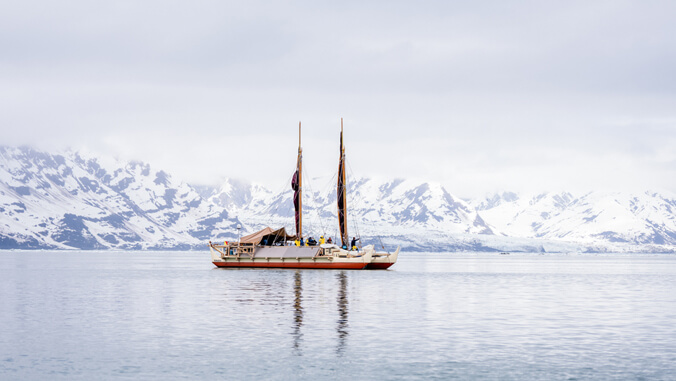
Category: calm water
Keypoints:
(104, 315)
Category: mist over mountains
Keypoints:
(76, 200)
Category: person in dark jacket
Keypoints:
(353, 245)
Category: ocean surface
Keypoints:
(173, 315)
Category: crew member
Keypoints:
(354, 243)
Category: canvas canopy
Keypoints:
(269, 236)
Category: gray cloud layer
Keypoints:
(479, 95)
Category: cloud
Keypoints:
(480, 95)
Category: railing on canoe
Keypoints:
(234, 250)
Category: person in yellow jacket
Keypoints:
(354, 243)
(297, 242)
(321, 240)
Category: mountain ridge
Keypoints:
(76, 200)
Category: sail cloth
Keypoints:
(296, 199)
(271, 237)
(342, 200)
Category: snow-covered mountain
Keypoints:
(398, 203)
(425, 216)
(420, 216)
(72, 200)
(78, 200)
(608, 219)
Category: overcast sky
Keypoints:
(477, 95)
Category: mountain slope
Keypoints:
(75, 201)
(610, 218)
(385, 205)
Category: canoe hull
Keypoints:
(378, 266)
(291, 257)
(382, 261)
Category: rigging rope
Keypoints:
(356, 201)
(314, 201)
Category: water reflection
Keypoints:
(298, 312)
(341, 328)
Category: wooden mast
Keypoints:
(342, 194)
(299, 166)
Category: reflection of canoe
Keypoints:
(382, 261)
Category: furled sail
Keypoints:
(296, 185)
(296, 200)
(342, 199)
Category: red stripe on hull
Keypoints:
(378, 266)
(288, 265)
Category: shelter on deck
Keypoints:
(268, 237)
